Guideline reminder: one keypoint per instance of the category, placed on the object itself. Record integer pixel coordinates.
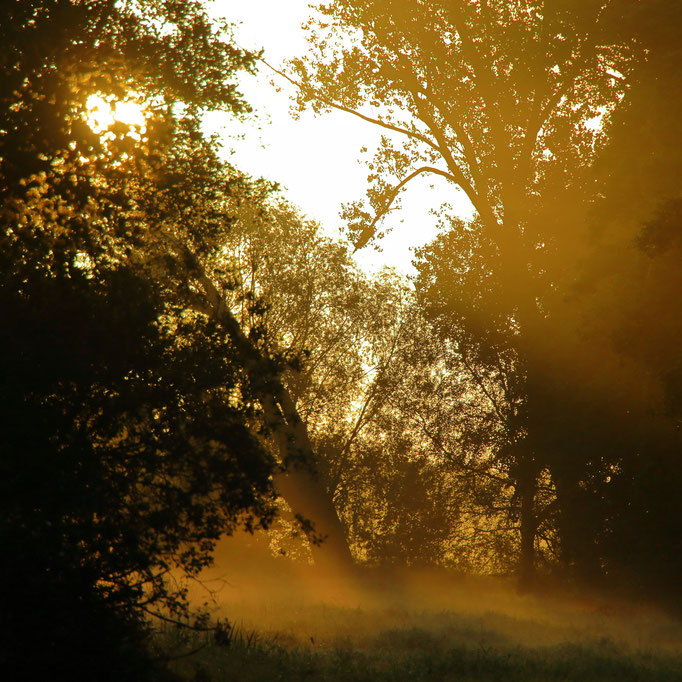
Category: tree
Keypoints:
(128, 417)
(496, 97)
(490, 406)
(123, 460)
(422, 474)
(149, 179)
(345, 331)
(632, 314)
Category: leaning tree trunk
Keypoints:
(298, 483)
(305, 494)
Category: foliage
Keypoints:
(123, 458)
(633, 317)
(348, 335)
(495, 97)
(519, 106)
(126, 414)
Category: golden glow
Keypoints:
(104, 112)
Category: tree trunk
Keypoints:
(305, 494)
(298, 484)
(526, 488)
(576, 529)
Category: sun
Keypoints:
(103, 112)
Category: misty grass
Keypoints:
(446, 646)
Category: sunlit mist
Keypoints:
(340, 341)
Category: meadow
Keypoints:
(421, 626)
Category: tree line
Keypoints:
(184, 354)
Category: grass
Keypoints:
(292, 624)
(336, 643)
(416, 655)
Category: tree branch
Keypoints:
(368, 231)
(348, 110)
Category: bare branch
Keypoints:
(368, 231)
(348, 110)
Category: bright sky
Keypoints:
(316, 159)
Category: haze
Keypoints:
(238, 442)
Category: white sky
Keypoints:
(316, 159)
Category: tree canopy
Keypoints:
(518, 105)
(127, 419)
(183, 355)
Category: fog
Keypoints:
(293, 604)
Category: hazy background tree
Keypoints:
(630, 311)
(513, 104)
(347, 333)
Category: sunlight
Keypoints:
(103, 112)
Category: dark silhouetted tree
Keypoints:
(496, 98)
(127, 417)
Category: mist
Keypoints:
(229, 452)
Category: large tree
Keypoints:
(496, 97)
(166, 199)
(132, 398)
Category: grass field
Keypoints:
(422, 627)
